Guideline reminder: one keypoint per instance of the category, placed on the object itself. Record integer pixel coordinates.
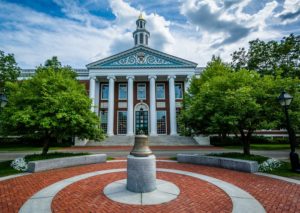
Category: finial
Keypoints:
(141, 15)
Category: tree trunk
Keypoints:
(46, 145)
(246, 142)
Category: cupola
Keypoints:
(141, 35)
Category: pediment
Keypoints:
(141, 57)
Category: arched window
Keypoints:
(146, 40)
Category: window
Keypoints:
(122, 91)
(178, 91)
(135, 39)
(161, 122)
(103, 118)
(141, 91)
(146, 40)
(160, 91)
(141, 38)
(122, 122)
(104, 91)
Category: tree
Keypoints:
(270, 58)
(227, 101)
(50, 105)
(9, 70)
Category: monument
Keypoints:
(141, 186)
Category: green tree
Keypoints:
(9, 70)
(50, 105)
(270, 58)
(225, 101)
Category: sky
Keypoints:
(79, 32)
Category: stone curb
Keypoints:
(56, 163)
(226, 163)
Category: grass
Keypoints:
(6, 169)
(262, 147)
(25, 148)
(241, 156)
(285, 171)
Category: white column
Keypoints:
(153, 129)
(173, 125)
(111, 99)
(92, 92)
(187, 83)
(130, 105)
(97, 95)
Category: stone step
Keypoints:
(162, 140)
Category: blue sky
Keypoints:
(79, 31)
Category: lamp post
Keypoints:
(285, 100)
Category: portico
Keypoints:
(140, 89)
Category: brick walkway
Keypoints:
(196, 195)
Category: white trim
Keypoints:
(118, 121)
(143, 72)
(101, 92)
(166, 121)
(164, 98)
(181, 91)
(137, 94)
(119, 91)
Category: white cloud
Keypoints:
(213, 27)
(291, 11)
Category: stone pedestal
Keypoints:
(141, 173)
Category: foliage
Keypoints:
(270, 58)
(50, 105)
(9, 70)
(225, 101)
(19, 164)
(269, 165)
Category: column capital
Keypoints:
(189, 77)
(130, 77)
(111, 77)
(93, 78)
(171, 77)
(152, 76)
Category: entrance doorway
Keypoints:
(141, 119)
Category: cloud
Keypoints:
(291, 11)
(208, 17)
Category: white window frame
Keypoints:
(118, 121)
(181, 91)
(164, 91)
(137, 91)
(166, 122)
(119, 91)
(105, 99)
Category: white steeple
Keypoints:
(141, 35)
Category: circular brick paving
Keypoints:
(195, 196)
(274, 195)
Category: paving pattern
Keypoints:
(196, 195)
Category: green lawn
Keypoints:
(262, 147)
(25, 148)
(6, 169)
